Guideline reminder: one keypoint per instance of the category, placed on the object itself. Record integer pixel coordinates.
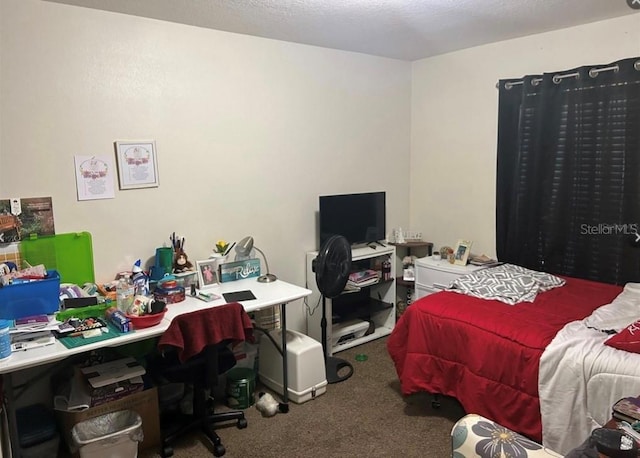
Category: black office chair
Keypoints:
(195, 350)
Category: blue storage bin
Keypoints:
(38, 297)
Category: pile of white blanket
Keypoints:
(581, 378)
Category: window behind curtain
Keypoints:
(568, 172)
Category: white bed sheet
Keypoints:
(580, 378)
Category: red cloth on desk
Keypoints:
(191, 332)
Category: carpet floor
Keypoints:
(364, 416)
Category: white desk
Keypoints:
(267, 295)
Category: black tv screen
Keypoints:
(358, 217)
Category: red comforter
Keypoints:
(486, 353)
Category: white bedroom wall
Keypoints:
(249, 131)
(454, 121)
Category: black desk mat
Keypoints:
(237, 296)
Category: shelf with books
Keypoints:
(365, 277)
(367, 302)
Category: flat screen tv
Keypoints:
(358, 217)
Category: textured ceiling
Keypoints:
(401, 29)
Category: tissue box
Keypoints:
(37, 297)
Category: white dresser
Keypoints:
(433, 276)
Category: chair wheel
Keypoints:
(242, 423)
(167, 451)
(219, 450)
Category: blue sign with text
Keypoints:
(239, 270)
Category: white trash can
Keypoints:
(112, 435)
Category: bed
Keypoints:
(486, 353)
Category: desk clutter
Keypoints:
(51, 282)
(36, 307)
(49, 298)
(57, 270)
(72, 327)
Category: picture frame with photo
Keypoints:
(207, 273)
(137, 164)
(461, 252)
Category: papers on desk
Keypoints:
(32, 332)
(34, 324)
(42, 330)
(28, 340)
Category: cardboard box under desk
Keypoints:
(144, 402)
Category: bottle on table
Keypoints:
(125, 292)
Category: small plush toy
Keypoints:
(181, 263)
(268, 406)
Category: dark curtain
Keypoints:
(568, 172)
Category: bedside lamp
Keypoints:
(243, 248)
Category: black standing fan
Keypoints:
(332, 267)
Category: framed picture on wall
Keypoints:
(137, 164)
(461, 252)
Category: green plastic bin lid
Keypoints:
(70, 254)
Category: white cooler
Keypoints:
(305, 371)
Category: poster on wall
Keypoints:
(26, 216)
(94, 177)
(137, 164)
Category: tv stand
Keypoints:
(372, 307)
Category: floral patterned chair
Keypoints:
(476, 436)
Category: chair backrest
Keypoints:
(190, 333)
